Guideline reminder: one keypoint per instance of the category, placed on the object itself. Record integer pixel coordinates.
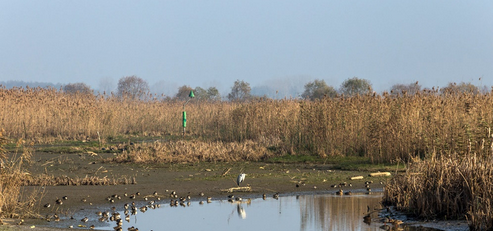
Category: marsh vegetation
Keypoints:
(445, 138)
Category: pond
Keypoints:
(291, 212)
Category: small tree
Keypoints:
(183, 93)
(211, 94)
(355, 86)
(132, 87)
(317, 90)
(200, 93)
(410, 89)
(240, 91)
(73, 88)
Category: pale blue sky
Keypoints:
(213, 43)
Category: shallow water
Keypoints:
(302, 212)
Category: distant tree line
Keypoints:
(136, 88)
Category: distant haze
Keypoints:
(273, 45)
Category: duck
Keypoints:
(340, 192)
(56, 217)
(367, 219)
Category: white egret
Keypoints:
(240, 178)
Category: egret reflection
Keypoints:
(241, 211)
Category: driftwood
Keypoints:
(356, 178)
(237, 189)
(379, 174)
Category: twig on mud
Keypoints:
(226, 172)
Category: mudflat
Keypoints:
(157, 181)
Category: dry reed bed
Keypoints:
(13, 202)
(446, 187)
(382, 127)
(192, 151)
(50, 180)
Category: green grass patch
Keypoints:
(357, 163)
(295, 159)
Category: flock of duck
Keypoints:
(344, 184)
(152, 201)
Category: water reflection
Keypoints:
(304, 212)
(241, 211)
(327, 212)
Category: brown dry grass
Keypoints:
(13, 202)
(50, 180)
(193, 151)
(444, 129)
(384, 128)
(446, 187)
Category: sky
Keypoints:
(276, 43)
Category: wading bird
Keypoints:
(240, 178)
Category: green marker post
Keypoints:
(191, 95)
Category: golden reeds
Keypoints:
(13, 202)
(446, 187)
(452, 132)
(384, 128)
(193, 151)
(50, 180)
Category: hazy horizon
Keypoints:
(278, 44)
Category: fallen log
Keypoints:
(237, 189)
(379, 174)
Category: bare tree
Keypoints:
(73, 88)
(317, 90)
(409, 89)
(132, 87)
(453, 88)
(240, 91)
(106, 85)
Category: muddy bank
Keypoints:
(185, 179)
